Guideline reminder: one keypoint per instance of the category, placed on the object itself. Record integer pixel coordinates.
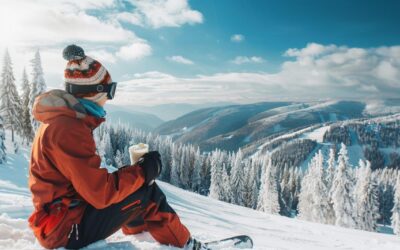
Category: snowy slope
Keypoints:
(206, 218)
(316, 133)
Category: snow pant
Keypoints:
(144, 210)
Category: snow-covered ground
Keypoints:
(207, 219)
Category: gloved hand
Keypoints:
(151, 165)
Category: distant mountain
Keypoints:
(140, 120)
(201, 126)
(235, 126)
(174, 110)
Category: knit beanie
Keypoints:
(84, 70)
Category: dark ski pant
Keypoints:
(144, 210)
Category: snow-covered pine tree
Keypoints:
(126, 160)
(366, 197)
(313, 198)
(3, 155)
(175, 171)
(284, 192)
(108, 149)
(26, 115)
(206, 175)
(396, 208)
(291, 186)
(329, 176)
(386, 189)
(10, 103)
(297, 177)
(226, 186)
(216, 186)
(118, 159)
(251, 188)
(237, 179)
(330, 171)
(185, 167)
(342, 191)
(197, 172)
(268, 196)
(38, 85)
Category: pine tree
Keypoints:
(285, 192)
(126, 157)
(3, 155)
(251, 192)
(396, 208)
(197, 172)
(184, 166)
(268, 196)
(342, 188)
(10, 104)
(330, 172)
(366, 196)
(329, 176)
(313, 199)
(38, 85)
(175, 171)
(108, 149)
(226, 187)
(26, 115)
(119, 159)
(216, 186)
(237, 179)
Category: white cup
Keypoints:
(137, 151)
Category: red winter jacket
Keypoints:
(64, 165)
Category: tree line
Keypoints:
(15, 106)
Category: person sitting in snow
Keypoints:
(75, 201)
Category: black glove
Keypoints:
(151, 165)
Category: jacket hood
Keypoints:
(57, 102)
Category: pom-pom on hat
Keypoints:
(84, 70)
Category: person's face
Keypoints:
(102, 102)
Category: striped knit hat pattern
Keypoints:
(84, 70)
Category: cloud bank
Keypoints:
(311, 73)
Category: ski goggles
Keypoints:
(99, 88)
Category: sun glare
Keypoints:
(11, 17)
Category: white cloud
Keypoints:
(237, 38)
(161, 13)
(179, 59)
(102, 56)
(132, 18)
(134, 51)
(340, 69)
(244, 59)
(312, 49)
(47, 23)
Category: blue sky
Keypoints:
(192, 51)
(270, 28)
